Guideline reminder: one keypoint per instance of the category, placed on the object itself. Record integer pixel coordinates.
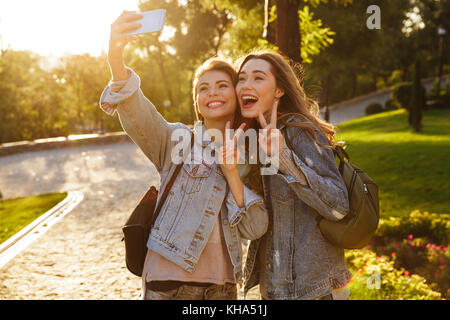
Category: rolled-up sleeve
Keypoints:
(117, 91)
(324, 188)
(141, 120)
(251, 220)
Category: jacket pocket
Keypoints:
(196, 175)
(283, 240)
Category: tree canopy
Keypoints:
(341, 58)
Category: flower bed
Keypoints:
(410, 254)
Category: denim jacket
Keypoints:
(199, 193)
(293, 260)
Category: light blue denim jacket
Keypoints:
(293, 260)
(199, 193)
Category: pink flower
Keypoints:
(410, 237)
(428, 246)
(442, 267)
(433, 246)
(442, 260)
(393, 254)
(407, 273)
(413, 244)
(396, 245)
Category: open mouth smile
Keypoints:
(215, 104)
(248, 101)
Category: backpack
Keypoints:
(356, 229)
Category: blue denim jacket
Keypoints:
(293, 260)
(199, 193)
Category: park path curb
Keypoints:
(18, 242)
(62, 142)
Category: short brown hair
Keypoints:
(211, 65)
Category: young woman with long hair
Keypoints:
(293, 260)
(194, 248)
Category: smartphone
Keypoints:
(152, 21)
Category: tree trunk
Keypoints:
(288, 29)
(269, 27)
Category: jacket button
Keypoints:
(171, 193)
(231, 247)
(269, 266)
(270, 233)
(195, 169)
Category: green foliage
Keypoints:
(39, 103)
(435, 227)
(394, 284)
(391, 105)
(412, 170)
(374, 108)
(314, 36)
(402, 94)
(419, 244)
(15, 214)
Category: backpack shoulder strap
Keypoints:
(168, 187)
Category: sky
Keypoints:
(57, 27)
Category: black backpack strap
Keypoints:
(168, 187)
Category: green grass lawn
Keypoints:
(412, 170)
(15, 214)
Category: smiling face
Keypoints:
(257, 88)
(216, 97)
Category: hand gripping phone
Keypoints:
(152, 21)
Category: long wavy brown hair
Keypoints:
(294, 101)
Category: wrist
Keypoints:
(228, 170)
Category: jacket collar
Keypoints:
(280, 125)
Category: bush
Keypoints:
(391, 105)
(419, 244)
(402, 94)
(374, 108)
(433, 226)
(420, 257)
(375, 278)
(438, 101)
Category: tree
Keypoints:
(82, 78)
(417, 100)
(291, 14)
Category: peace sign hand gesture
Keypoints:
(228, 153)
(270, 132)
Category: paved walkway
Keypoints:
(80, 257)
(356, 108)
